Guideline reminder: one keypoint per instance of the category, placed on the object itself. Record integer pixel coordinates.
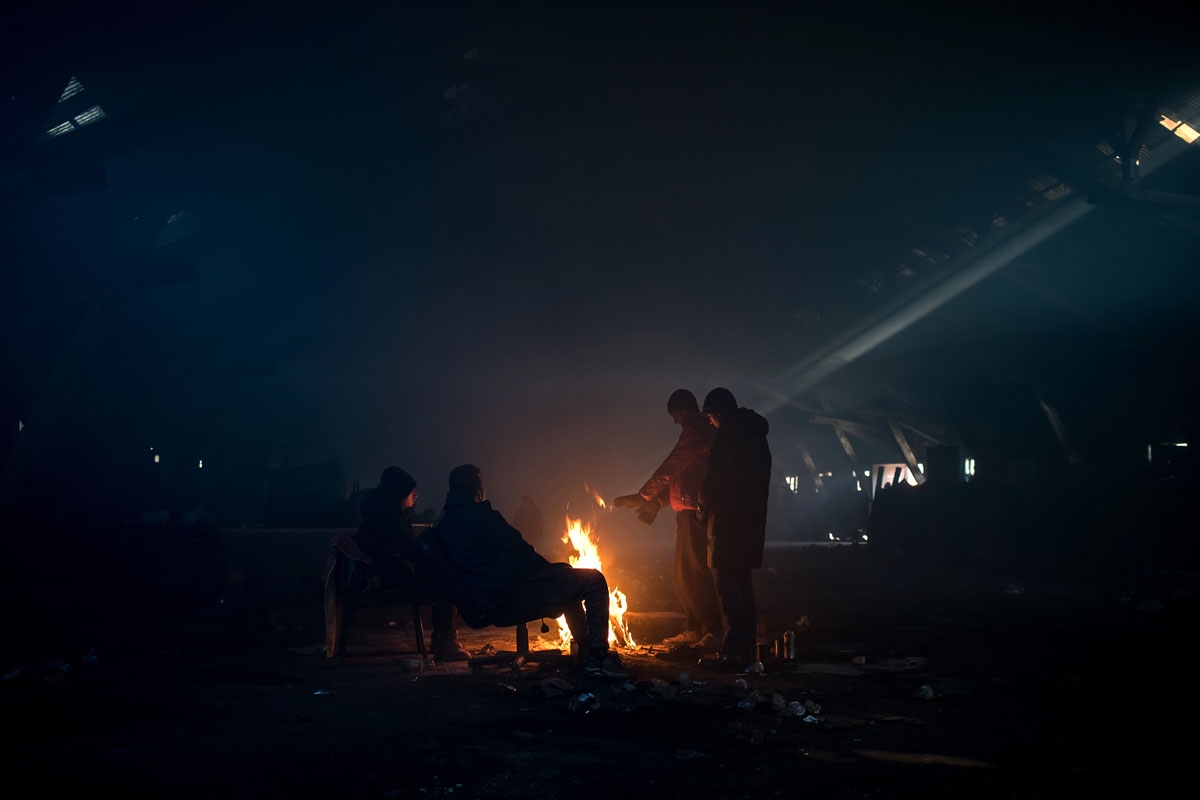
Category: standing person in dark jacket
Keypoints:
(733, 501)
(505, 577)
(677, 483)
(386, 535)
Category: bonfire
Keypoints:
(587, 556)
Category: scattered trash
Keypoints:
(1149, 605)
(688, 754)
(741, 684)
(8, 676)
(556, 687)
(796, 708)
(629, 686)
(927, 693)
(747, 704)
(778, 702)
(900, 664)
(409, 664)
(812, 707)
(757, 668)
(324, 692)
(91, 658)
(751, 734)
(393, 624)
(859, 660)
(308, 650)
(507, 686)
(586, 702)
(803, 622)
(684, 679)
(527, 735)
(812, 719)
(1013, 588)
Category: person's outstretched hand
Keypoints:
(648, 511)
(628, 501)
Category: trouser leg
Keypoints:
(580, 594)
(434, 591)
(693, 579)
(735, 589)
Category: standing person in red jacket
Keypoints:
(677, 483)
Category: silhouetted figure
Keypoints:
(505, 577)
(676, 483)
(529, 521)
(386, 536)
(733, 501)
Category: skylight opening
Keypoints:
(93, 114)
(74, 87)
(59, 130)
(1187, 133)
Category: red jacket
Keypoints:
(677, 482)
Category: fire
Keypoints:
(587, 556)
(595, 496)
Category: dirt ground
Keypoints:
(1038, 686)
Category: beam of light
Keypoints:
(906, 310)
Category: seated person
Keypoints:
(386, 535)
(505, 577)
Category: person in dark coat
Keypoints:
(733, 502)
(505, 577)
(676, 483)
(386, 536)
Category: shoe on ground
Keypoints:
(685, 639)
(446, 652)
(607, 665)
(708, 643)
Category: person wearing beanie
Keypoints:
(733, 504)
(676, 483)
(386, 535)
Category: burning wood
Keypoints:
(587, 556)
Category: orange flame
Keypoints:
(595, 496)
(587, 556)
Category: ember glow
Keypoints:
(596, 496)
(587, 556)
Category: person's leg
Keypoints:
(580, 594)
(698, 578)
(445, 642)
(680, 573)
(575, 592)
(735, 589)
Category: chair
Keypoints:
(434, 548)
(346, 578)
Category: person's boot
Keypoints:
(447, 649)
(606, 664)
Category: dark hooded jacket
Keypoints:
(386, 533)
(733, 496)
(491, 557)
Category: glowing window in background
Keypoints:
(156, 458)
(793, 483)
